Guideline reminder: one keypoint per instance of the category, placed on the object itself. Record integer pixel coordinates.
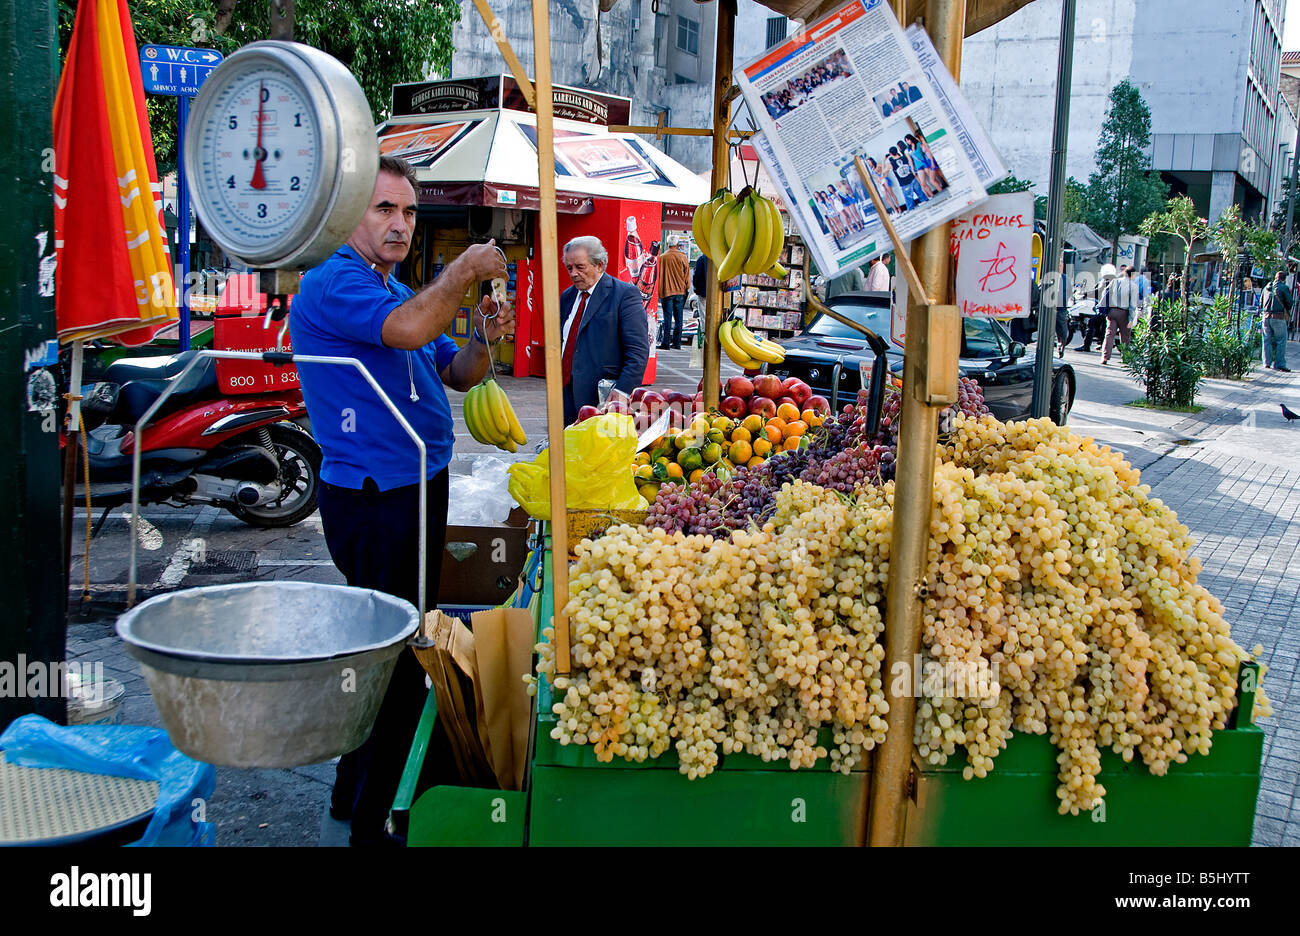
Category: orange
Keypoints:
(790, 444)
(753, 422)
(700, 425)
(741, 434)
(787, 412)
(754, 462)
(740, 452)
(773, 430)
(696, 475)
(762, 446)
(723, 423)
(796, 428)
(675, 470)
(812, 418)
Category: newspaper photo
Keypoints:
(979, 149)
(850, 85)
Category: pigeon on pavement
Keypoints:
(1287, 413)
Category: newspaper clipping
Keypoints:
(850, 85)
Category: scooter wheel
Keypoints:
(299, 457)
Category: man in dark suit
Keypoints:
(605, 333)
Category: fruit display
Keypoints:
(740, 234)
(745, 348)
(747, 613)
(491, 419)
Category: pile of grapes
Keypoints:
(842, 454)
(1061, 600)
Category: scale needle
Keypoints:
(259, 180)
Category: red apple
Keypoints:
(586, 413)
(642, 419)
(767, 385)
(733, 406)
(763, 406)
(652, 399)
(615, 405)
(674, 396)
(739, 386)
(637, 394)
(797, 390)
(676, 418)
(699, 397)
(818, 404)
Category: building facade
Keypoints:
(1209, 71)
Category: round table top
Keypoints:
(55, 806)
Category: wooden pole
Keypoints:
(551, 328)
(900, 249)
(918, 434)
(722, 63)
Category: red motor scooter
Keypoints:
(227, 435)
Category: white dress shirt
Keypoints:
(568, 323)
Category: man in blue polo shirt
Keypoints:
(350, 306)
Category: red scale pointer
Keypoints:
(259, 180)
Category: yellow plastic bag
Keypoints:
(598, 455)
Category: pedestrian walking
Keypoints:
(878, 274)
(1276, 305)
(1121, 307)
(674, 281)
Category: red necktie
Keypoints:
(566, 360)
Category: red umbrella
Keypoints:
(114, 274)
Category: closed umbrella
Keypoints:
(113, 276)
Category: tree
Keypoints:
(1010, 185)
(1123, 191)
(1277, 223)
(1180, 220)
(382, 42)
(1229, 232)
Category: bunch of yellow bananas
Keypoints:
(740, 234)
(745, 348)
(491, 419)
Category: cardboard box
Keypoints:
(487, 574)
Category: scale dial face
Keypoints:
(261, 156)
(281, 154)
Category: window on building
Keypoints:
(688, 35)
(659, 41)
(775, 30)
(682, 79)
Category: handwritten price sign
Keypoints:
(994, 254)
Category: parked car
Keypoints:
(835, 360)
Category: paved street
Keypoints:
(1231, 471)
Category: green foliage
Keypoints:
(382, 42)
(1180, 220)
(1123, 190)
(1011, 185)
(1263, 246)
(1165, 357)
(1229, 347)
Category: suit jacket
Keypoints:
(613, 342)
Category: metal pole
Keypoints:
(183, 222)
(913, 491)
(551, 328)
(1057, 288)
(722, 62)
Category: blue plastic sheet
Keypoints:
(123, 751)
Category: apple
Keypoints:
(642, 419)
(733, 406)
(797, 390)
(767, 385)
(586, 413)
(818, 404)
(763, 406)
(739, 386)
(637, 394)
(676, 418)
(699, 397)
(652, 399)
(674, 396)
(615, 405)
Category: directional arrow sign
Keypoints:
(176, 70)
